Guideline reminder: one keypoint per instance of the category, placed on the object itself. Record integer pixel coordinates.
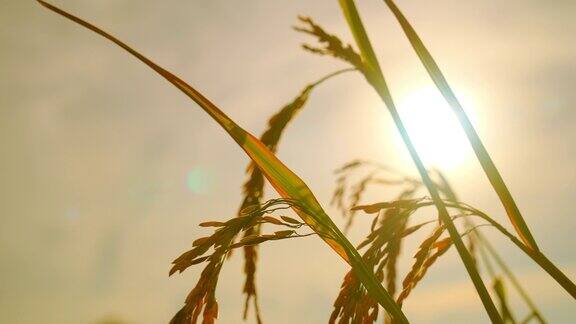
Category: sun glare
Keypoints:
(434, 129)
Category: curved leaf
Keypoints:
(286, 182)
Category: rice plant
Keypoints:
(372, 288)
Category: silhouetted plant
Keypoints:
(371, 282)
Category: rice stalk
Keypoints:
(499, 290)
(535, 255)
(253, 189)
(353, 304)
(484, 158)
(286, 182)
(202, 298)
(476, 239)
(387, 231)
(534, 311)
(430, 250)
(378, 175)
(485, 245)
(332, 44)
(376, 78)
(394, 249)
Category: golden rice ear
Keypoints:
(394, 248)
(330, 44)
(383, 246)
(381, 252)
(419, 258)
(202, 298)
(253, 189)
(212, 224)
(354, 190)
(376, 79)
(284, 180)
(436, 249)
(475, 241)
(356, 195)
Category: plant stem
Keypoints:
(375, 289)
(376, 78)
(485, 245)
(537, 256)
(488, 246)
(282, 179)
(481, 153)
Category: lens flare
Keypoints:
(197, 180)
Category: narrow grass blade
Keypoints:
(481, 153)
(531, 305)
(376, 78)
(485, 245)
(535, 255)
(286, 182)
(355, 23)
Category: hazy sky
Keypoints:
(106, 169)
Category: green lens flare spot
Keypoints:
(197, 180)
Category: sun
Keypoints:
(434, 128)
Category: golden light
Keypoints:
(434, 129)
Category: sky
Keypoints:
(106, 169)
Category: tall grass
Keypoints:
(286, 183)
(372, 281)
(376, 78)
(483, 157)
(482, 154)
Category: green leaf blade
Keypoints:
(482, 154)
(376, 78)
(286, 182)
